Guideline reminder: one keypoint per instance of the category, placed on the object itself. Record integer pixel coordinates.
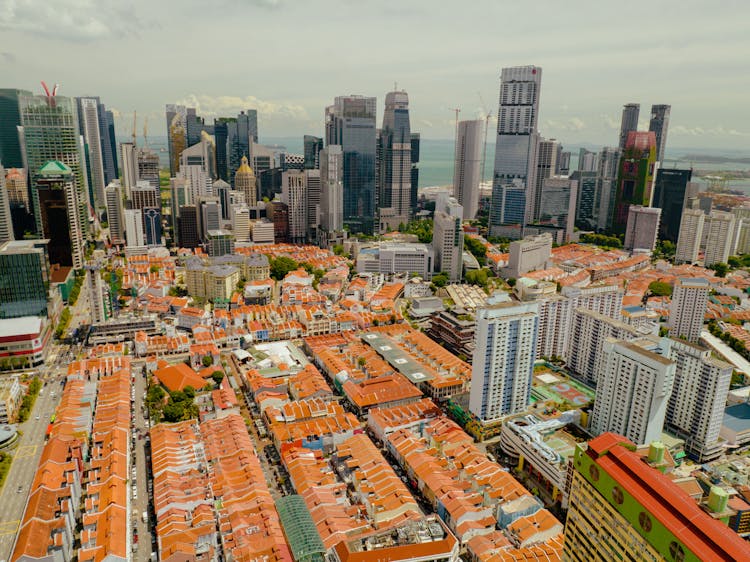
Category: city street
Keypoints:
(142, 464)
(25, 460)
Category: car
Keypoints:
(135, 494)
(37, 417)
(19, 490)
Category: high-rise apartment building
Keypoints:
(672, 188)
(719, 233)
(547, 152)
(448, 238)
(56, 191)
(312, 147)
(6, 219)
(741, 226)
(24, 278)
(11, 152)
(688, 308)
(294, 195)
(642, 228)
(50, 133)
(622, 507)
(467, 166)
(134, 230)
(555, 314)
(696, 408)
(350, 123)
(690, 235)
(503, 364)
(331, 190)
(244, 181)
(629, 122)
(115, 217)
(90, 129)
(604, 299)
(394, 177)
(635, 177)
(632, 390)
(515, 146)
(659, 124)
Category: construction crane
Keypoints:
(487, 116)
(145, 132)
(135, 113)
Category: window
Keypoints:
(645, 521)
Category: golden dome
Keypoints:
(244, 167)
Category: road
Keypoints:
(143, 472)
(25, 460)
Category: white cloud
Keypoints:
(71, 20)
(217, 106)
(718, 131)
(569, 124)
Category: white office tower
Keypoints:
(587, 161)
(546, 164)
(88, 119)
(241, 223)
(99, 296)
(515, 146)
(331, 189)
(642, 228)
(719, 231)
(115, 216)
(555, 316)
(467, 166)
(689, 238)
(506, 335)
(294, 195)
(313, 185)
(199, 183)
(688, 308)
(696, 408)
(606, 183)
(6, 222)
(557, 206)
(529, 254)
(129, 163)
(201, 154)
(632, 391)
(134, 231)
(589, 331)
(448, 238)
(604, 299)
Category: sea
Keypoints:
(436, 160)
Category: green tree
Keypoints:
(720, 268)
(734, 262)
(218, 376)
(207, 361)
(601, 240)
(476, 248)
(660, 289)
(440, 280)
(338, 249)
(281, 266)
(477, 277)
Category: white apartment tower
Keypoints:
(604, 299)
(642, 228)
(448, 239)
(633, 391)
(134, 231)
(554, 326)
(294, 195)
(696, 408)
(719, 237)
(689, 238)
(129, 162)
(506, 335)
(688, 308)
(467, 166)
(88, 119)
(331, 189)
(115, 216)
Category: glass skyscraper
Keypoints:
(516, 144)
(350, 122)
(670, 190)
(24, 278)
(394, 178)
(10, 118)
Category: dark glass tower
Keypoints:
(350, 122)
(394, 177)
(10, 118)
(312, 147)
(659, 124)
(670, 188)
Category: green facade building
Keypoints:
(635, 177)
(24, 278)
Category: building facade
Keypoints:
(635, 177)
(467, 166)
(690, 235)
(642, 228)
(448, 239)
(688, 308)
(394, 167)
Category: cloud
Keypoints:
(70, 20)
(8, 57)
(610, 122)
(223, 106)
(718, 131)
(569, 124)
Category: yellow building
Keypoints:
(244, 181)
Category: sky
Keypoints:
(290, 58)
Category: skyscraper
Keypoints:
(415, 144)
(719, 233)
(688, 308)
(586, 212)
(24, 278)
(56, 192)
(143, 196)
(187, 225)
(50, 133)
(18, 198)
(313, 188)
(557, 203)
(242, 132)
(547, 153)
(466, 166)
(635, 177)
(201, 154)
(331, 190)
(6, 219)
(244, 181)
(689, 238)
(312, 147)
(91, 129)
(294, 195)
(135, 234)
(109, 144)
(659, 124)
(621, 507)
(448, 238)
(503, 364)
(115, 216)
(606, 186)
(129, 160)
(10, 118)
(147, 162)
(629, 122)
(152, 226)
(176, 134)
(670, 194)
(642, 228)
(696, 408)
(587, 161)
(632, 390)
(350, 123)
(515, 147)
(394, 177)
